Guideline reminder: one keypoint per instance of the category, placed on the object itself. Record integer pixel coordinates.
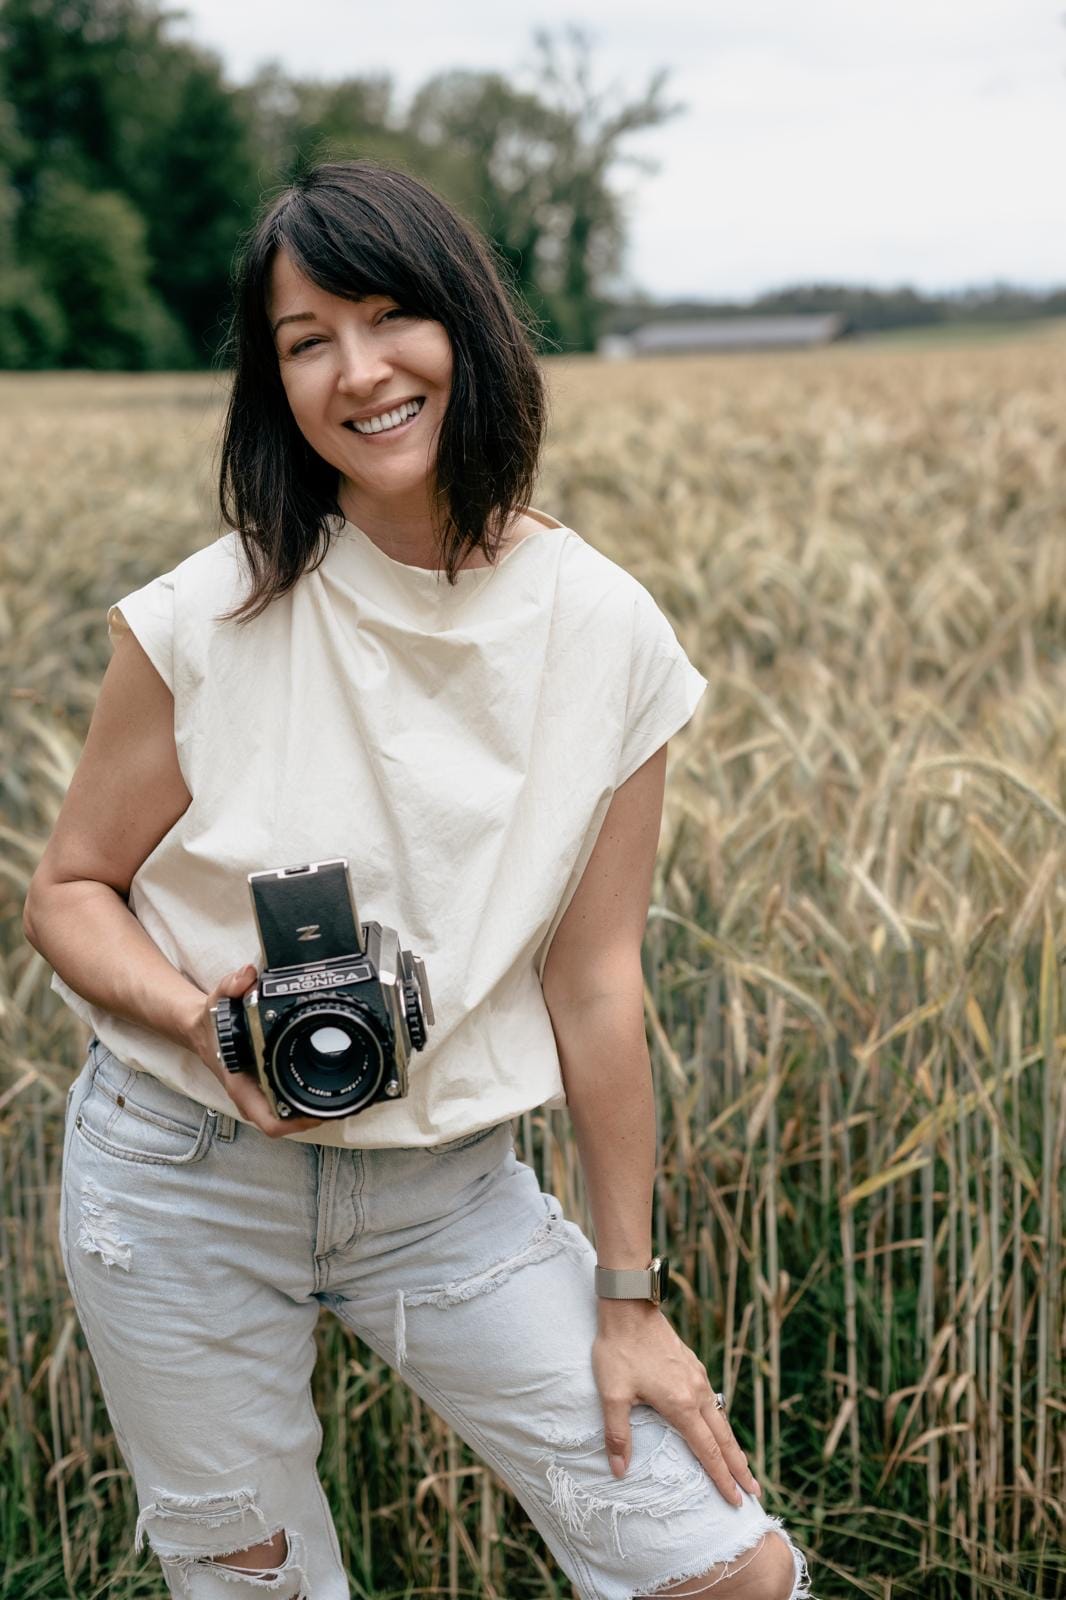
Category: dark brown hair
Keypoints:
(360, 228)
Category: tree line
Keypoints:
(129, 168)
(867, 310)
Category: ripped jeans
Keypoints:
(200, 1253)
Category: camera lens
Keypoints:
(329, 1059)
(330, 1045)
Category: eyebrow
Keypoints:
(295, 316)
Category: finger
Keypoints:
(732, 1451)
(234, 984)
(617, 1435)
(245, 1093)
(253, 1104)
(703, 1444)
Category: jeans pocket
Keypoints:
(134, 1117)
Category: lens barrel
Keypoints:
(328, 1058)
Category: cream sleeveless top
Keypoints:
(460, 746)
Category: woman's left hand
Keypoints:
(637, 1357)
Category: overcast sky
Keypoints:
(892, 141)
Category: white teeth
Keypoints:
(388, 419)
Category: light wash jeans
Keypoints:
(200, 1254)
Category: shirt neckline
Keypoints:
(352, 529)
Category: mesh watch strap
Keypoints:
(634, 1283)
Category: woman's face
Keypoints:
(346, 367)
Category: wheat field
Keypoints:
(855, 956)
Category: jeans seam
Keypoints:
(355, 1197)
(331, 1527)
(506, 1469)
(561, 1532)
(328, 1161)
(66, 1256)
(359, 1160)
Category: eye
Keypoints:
(397, 311)
(303, 345)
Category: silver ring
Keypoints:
(719, 1401)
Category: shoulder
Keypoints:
(615, 602)
(212, 577)
(586, 565)
(219, 555)
(212, 561)
(179, 601)
(614, 613)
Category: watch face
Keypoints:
(661, 1279)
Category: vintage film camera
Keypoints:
(338, 1007)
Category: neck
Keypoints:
(405, 531)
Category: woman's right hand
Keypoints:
(241, 1087)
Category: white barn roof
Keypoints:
(727, 333)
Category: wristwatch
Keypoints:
(635, 1283)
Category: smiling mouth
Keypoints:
(387, 421)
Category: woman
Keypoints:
(486, 747)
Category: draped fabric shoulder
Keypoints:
(458, 745)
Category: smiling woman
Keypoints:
(487, 756)
(368, 383)
(360, 292)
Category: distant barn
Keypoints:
(726, 333)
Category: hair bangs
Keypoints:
(340, 244)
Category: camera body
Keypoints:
(338, 1007)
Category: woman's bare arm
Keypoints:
(594, 990)
(127, 792)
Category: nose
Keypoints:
(363, 364)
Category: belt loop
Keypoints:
(227, 1127)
